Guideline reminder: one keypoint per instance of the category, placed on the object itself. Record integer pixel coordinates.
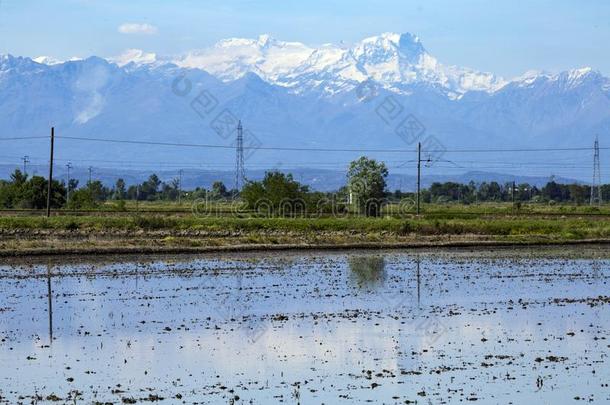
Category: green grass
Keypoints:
(450, 210)
(569, 228)
(496, 221)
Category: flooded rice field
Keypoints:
(429, 327)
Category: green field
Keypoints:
(572, 227)
(225, 208)
(169, 225)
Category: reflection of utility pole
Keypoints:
(50, 303)
(69, 166)
(418, 283)
(26, 160)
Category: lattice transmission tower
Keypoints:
(240, 172)
(596, 185)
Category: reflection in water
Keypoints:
(418, 283)
(370, 272)
(211, 329)
(50, 304)
(367, 271)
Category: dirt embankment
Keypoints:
(38, 242)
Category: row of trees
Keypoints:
(279, 193)
(22, 191)
(366, 188)
(493, 191)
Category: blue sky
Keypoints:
(504, 37)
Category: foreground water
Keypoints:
(511, 326)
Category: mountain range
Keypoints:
(383, 93)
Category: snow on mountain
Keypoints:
(291, 94)
(47, 60)
(231, 59)
(569, 79)
(50, 61)
(393, 60)
(135, 56)
(397, 62)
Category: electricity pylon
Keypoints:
(240, 176)
(596, 185)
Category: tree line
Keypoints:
(23, 191)
(552, 192)
(364, 192)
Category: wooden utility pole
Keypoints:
(26, 160)
(49, 186)
(513, 198)
(418, 174)
(69, 167)
(180, 185)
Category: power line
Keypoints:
(277, 148)
(510, 150)
(311, 149)
(557, 162)
(24, 138)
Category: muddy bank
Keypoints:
(254, 247)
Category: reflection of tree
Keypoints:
(596, 267)
(367, 271)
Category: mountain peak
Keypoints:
(47, 60)
(411, 43)
(569, 78)
(265, 40)
(135, 56)
(19, 63)
(391, 45)
(581, 73)
(404, 40)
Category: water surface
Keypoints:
(506, 326)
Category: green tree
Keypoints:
(555, 192)
(33, 194)
(97, 190)
(367, 183)
(82, 199)
(150, 188)
(72, 184)
(219, 190)
(276, 194)
(120, 190)
(18, 178)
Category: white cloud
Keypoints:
(136, 28)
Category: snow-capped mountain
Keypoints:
(289, 94)
(395, 61)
